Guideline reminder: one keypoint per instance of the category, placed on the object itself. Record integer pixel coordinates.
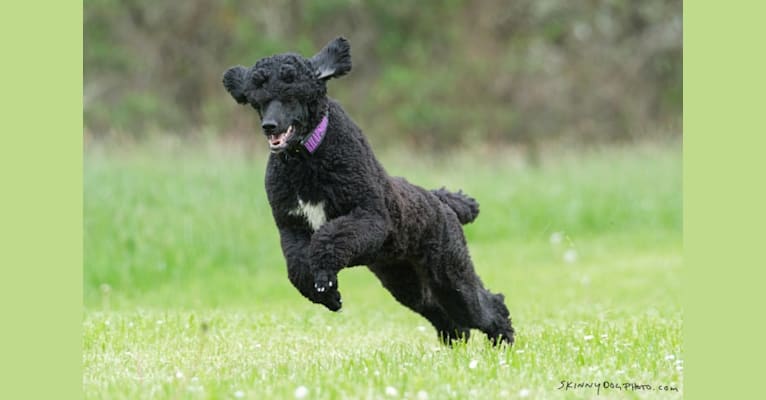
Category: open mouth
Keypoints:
(278, 142)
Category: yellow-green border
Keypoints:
(724, 198)
(41, 200)
(41, 213)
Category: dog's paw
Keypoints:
(325, 281)
(326, 290)
(332, 301)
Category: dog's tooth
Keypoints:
(330, 284)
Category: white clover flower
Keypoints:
(239, 394)
(570, 256)
(523, 392)
(391, 391)
(195, 388)
(473, 364)
(556, 238)
(670, 357)
(301, 392)
(179, 374)
(422, 395)
(588, 337)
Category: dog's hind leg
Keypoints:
(469, 304)
(402, 280)
(461, 293)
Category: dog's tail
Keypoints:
(466, 208)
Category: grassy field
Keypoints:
(186, 294)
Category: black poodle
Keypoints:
(336, 207)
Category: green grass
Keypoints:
(186, 294)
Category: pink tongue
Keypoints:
(275, 139)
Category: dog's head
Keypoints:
(289, 91)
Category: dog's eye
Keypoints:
(287, 73)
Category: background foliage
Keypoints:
(426, 73)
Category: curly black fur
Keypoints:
(337, 207)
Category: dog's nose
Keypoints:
(269, 126)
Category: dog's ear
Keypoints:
(334, 60)
(234, 82)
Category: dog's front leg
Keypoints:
(342, 240)
(295, 247)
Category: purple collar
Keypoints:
(313, 141)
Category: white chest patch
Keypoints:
(314, 213)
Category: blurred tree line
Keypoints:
(426, 73)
